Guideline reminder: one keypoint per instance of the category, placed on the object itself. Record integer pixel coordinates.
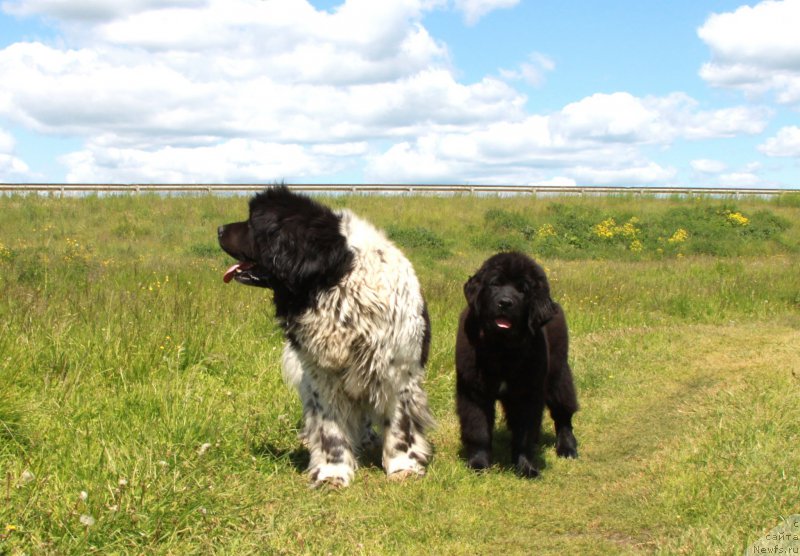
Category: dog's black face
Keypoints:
(289, 243)
(236, 240)
(509, 296)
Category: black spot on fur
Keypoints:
(405, 426)
(335, 456)
(331, 442)
(426, 336)
(312, 406)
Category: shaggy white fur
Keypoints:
(356, 360)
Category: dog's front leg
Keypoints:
(524, 418)
(327, 430)
(476, 416)
(332, 461)
(405, 449)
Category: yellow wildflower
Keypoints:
(545, 231)
(605, 229)
(737, 218)
(679, 236)
(629, 229)
(5, 252)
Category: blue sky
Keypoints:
(401, 91)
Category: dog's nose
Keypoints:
(504, 303)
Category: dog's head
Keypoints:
(289, 242)
(509, 296)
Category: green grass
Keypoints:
(131, 373)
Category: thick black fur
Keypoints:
(512, 346)
(295, 245)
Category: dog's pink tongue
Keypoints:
(231, 272)
(503, 323)
(228, 276)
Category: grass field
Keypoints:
(142, 409)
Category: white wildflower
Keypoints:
(204, 448)
(87, 520)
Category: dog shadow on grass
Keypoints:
(501, 451)
(298, 456)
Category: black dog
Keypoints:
(512, 346)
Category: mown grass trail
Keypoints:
(142, 410)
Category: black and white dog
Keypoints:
(512, 346)
(356, 326)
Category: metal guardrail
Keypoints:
(64, 188)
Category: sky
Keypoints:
(621, 93)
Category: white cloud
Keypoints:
(610, 117)
(204, 96)
(403, 162)
(234, 161)
(626, 118)
(708, 166)
(11, 167)
(755, 49)
(252, 90)
(533, 71)
(559, 181)
(786, 143)
(6, 142)
(474, 10)
(645, 173)
(595, 140)
(88, 10)
(741, 179)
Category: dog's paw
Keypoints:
(526, 469)
(332, 483)
(479, 461)
(402, 467)
(566, 444)
(403, 474)
(331, 475)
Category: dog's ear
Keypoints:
(300, 262)
(302, 250)
(472, 290)
(541, 307)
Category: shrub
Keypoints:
(583, 231)
(419, 238)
